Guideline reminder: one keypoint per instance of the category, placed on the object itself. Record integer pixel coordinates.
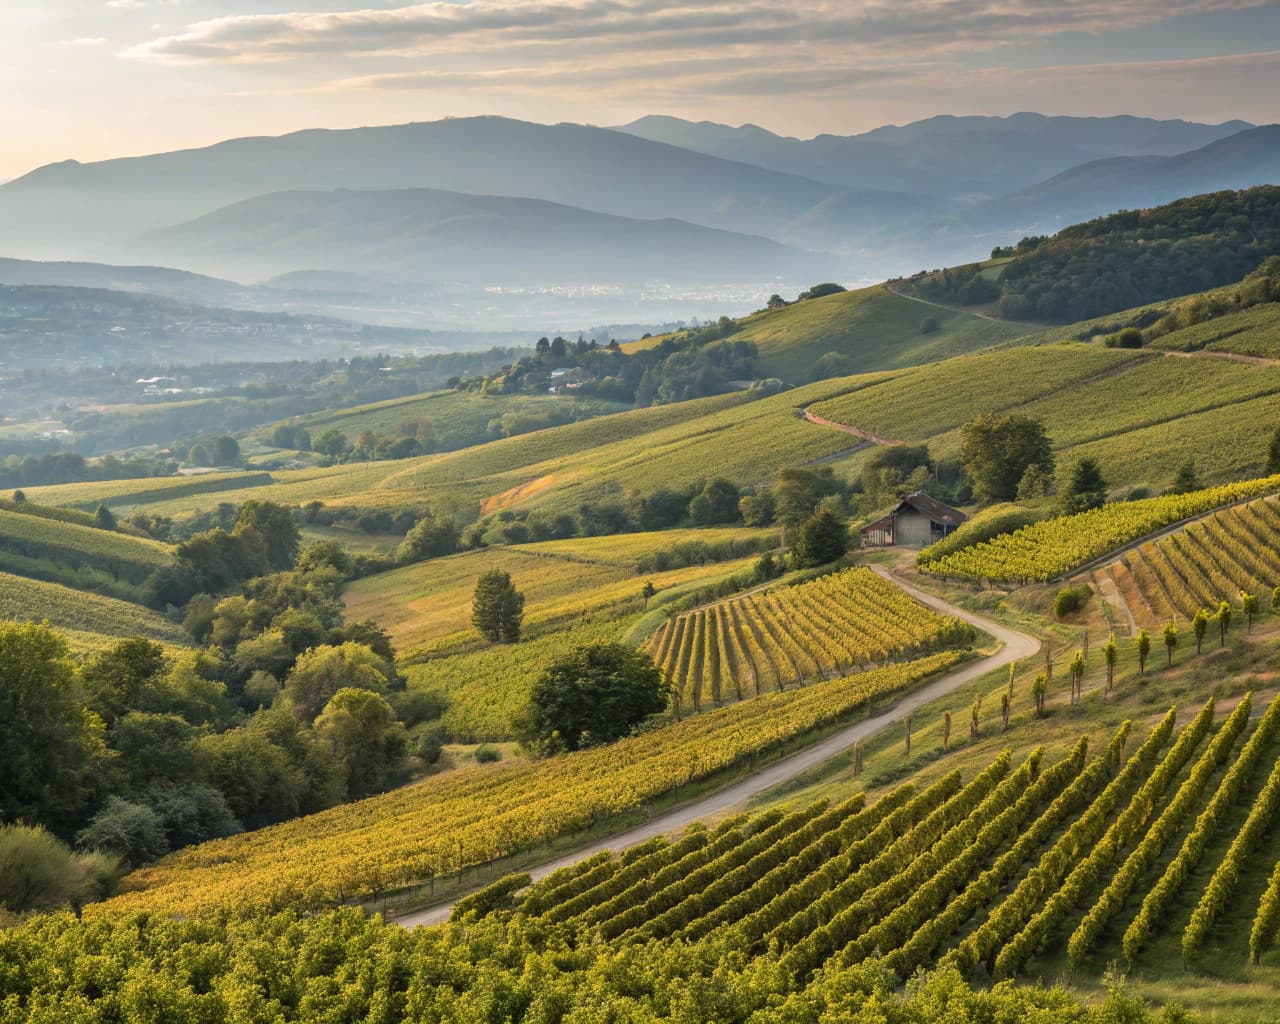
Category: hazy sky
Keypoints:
(97, 78)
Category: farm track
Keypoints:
(1015, 646)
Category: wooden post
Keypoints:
(946, 730)
(908, 720)
(857, 758)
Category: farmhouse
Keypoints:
(919, 520)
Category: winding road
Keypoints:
(1014, 647)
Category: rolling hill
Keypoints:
(431, 235)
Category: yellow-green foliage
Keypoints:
(147, 491)
(471, 815)
(921, 403)
(80, 556)
(427, 602)
(89, 619)
(1253, 332)
(1053, 548)
(1208, 562)
(786, 635)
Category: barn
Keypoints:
(918, 521)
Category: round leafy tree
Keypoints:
(597, 693)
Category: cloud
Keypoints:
(86, 41)
(497, 31)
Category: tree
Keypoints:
(361, 730)
(429, 538)
(775, 301)
(595, 694)
(1111, 654)
(497, 608)
(226, 451)
(123, 677)
(1170, 634)
(103, 518)
(717, 502)
(124, 829)
(1250, 603)
(1224, 622)
(1185, 482)
(198, 456)
(756, 509)
(930, 325)
(1200, 626)
(996, 451)
(1144, 650)
(822, 538)
(333, 443)
(320, 673)
(796, 493)
(50, 748)
(647, 592)
(274, 524)
(1077, 677)
(1086, 489)
(38, 872)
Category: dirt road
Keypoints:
(1014, 647)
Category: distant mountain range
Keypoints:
(500, 203)
(945, 157)
(437, 236)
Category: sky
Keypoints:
(94, 79)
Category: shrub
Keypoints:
(1130, 337)
(486, 754)
(1071, 599)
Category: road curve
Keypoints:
(1014, 647)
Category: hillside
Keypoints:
(1122, 260)
(862, 330)
(431, 235)
(947, 156)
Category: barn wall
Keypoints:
(913, 529)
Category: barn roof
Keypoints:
(932, 508)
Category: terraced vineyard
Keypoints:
(765, 641)
(1054, 548)
(472, 815)
(1013, 864)
(1209, 561)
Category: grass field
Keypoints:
(1251, 332)
(872, 328)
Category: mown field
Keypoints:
(430, 602)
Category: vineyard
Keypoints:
(1215, 559)
(81, 556)
(90, 620)
(473, 815)
(1054, 548)
(765, 641)
(1094, 857)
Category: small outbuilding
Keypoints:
(918, 521)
